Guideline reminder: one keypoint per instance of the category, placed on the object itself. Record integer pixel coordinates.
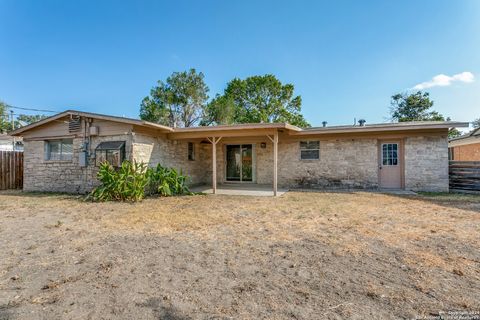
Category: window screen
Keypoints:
(61, 150)
(390, 154)
(309, 150)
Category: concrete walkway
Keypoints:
(240, 189)
(262, 190)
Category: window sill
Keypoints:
(310, 159)
(58, 161)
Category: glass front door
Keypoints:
(239, 163)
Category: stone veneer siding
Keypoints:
(63, 176)
(170, 153)
(426, 163)
(343, 163)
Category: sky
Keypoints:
(345, 58)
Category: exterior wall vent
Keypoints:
(74, 124)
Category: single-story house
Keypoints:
(9, 143)
(63, 152)
(466, 147)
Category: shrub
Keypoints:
(126, 183)
(166, 181)
(132, 181)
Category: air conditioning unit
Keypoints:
(94, 131)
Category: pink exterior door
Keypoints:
(390, 165)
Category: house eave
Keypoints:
(19, 131)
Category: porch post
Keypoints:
(214, 141)
(275, 160)
(214, 164)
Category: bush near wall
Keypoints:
(133, 181)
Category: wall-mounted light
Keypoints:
(263, 145)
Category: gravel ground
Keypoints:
(301, 256)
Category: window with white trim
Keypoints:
(309, 150)
(390, 154)
(59, 150)
(191, 151)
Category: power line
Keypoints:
(31, 109)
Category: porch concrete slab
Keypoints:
(255, 190)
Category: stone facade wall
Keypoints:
(170, 153)
(343, 163)
(63, 176)
(348, 163)
(426, 163)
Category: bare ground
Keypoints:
(300, 256)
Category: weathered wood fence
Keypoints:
(11, 170)
(464, 175)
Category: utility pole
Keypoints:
(13, 128)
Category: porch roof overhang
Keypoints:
(383, 128)
(240, 130)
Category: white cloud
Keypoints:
(443, 80)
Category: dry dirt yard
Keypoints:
(301, 256)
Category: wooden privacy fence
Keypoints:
(464, 175)
(11, 170)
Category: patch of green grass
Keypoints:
(445, 196)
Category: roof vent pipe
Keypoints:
(361, 122)
(324, 123)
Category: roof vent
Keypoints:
(324, 123)
(361, 122)
(74, 124)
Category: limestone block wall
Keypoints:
(426, 163)
(343, 163)
(63, 176)
(171, 153)
(349, 163)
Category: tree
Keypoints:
(179, 101)
(416, 107)
(221, 110)
(28, 119)
(5, 124)
(413, 107)
(453, 132)
(256, 99)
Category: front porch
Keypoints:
(239, 189)
(238, 161)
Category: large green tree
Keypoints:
(416, 107)
(179, 101)
(256, 99)
(221, 110)
(413, 107)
